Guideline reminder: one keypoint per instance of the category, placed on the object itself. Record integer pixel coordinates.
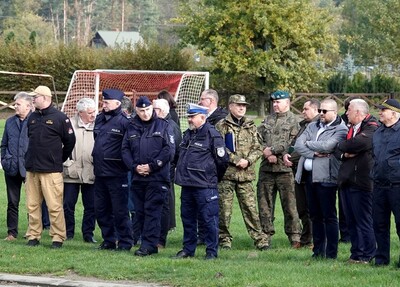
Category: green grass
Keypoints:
(241, 266)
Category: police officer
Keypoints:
(277, 132)
(202, 163)
(111, 174)
(244, 150)
(148, 149)
(51, 140)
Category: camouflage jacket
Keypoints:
(247, 147)
(277, 131)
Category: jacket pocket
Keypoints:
(7, 165)
(70, 169)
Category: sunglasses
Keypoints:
(324, 111)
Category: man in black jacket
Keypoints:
(51, 141)
(355, 183)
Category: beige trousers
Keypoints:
(49, 186)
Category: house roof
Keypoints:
(117, 38)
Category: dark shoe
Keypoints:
(210, 256)
(181, 255)
(144, 252)
(263, 247)
(89, 240)
(107, 246)
(56, 245)
(69, 238)
(33, 242)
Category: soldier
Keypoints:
(277, 132)
(244, 150)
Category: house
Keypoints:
(114, 39)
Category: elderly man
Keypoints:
(51, 141)
(310, 114)
(202, 163)
(320, 168)
(148, 149)
(244, 150)
(78, 172)
(355, 182)
(168, 221)
(386, 176)
(13, 148)
(111, 174)
(277, 132)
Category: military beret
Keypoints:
(143, 102)
(390, 104)
(113, 94)
(238, 99)
(194, 109)
(278, 95)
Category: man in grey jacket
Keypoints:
(320, 169)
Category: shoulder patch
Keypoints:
(221, 151)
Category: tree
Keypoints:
(371, 31)
(280, 42)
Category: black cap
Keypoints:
(113, 94)
(143, 102)
(390, 104)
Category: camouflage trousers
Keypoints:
(247, 203)
(269, 183)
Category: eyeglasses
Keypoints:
(324, 111)
(202, 99)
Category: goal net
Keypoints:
(185, 87)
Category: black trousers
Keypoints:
(13, 184)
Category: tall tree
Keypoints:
(280, 42)
(370, 31)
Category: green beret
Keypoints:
(278, 95)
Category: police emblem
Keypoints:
(172, 139)
(221, 151)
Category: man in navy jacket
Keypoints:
(148, 149)
(202, 163)
(111, 174)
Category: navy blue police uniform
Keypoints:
(202, 163)
(149, 142)
(111, 176)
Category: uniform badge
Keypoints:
(159, 162)
(49, 122)
(171, 139)
(221, 151)
(70, 131)
(67, 121)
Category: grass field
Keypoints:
(241, 266)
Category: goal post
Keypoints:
(184, 86)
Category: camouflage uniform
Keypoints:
(277, 131)
(240, 181)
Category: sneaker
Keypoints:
(10, 237)
(56, 244)
(33, 242)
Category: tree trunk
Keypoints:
(65, 21)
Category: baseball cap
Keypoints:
(390, 104)
(41, 91)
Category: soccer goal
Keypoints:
(185, 87)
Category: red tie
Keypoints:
(350, 133)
